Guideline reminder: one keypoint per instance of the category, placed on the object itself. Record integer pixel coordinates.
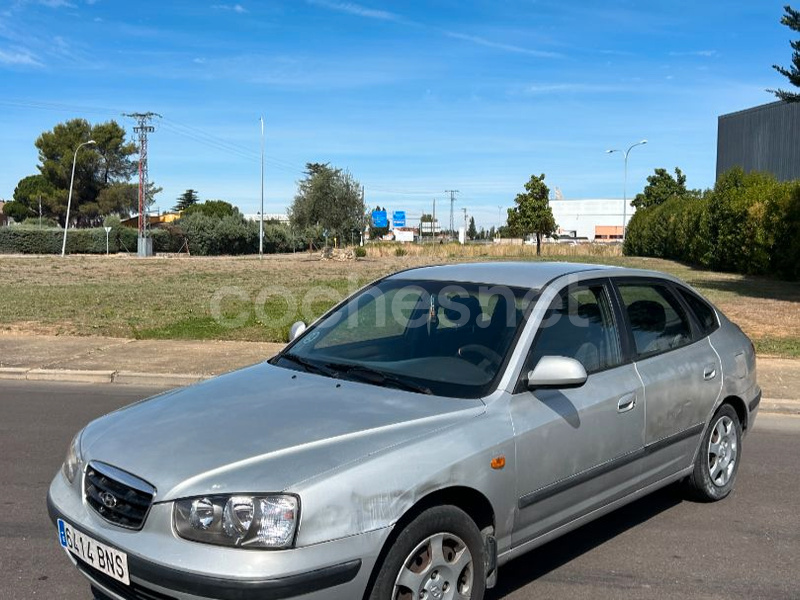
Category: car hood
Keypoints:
(261, 429)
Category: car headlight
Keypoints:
(268, 521)
(72, 463)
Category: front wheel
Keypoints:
(438, 556)
(718, 459)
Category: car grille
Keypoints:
(133, 591)
(117, 496)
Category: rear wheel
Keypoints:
(718, 459)
(438, 556)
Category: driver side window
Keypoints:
(579, 324)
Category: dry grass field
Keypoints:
(256, 300)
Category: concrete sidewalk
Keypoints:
(168, 363)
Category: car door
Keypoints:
(577, 449)
(680, 370)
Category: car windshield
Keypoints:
(435, 337)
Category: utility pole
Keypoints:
(261, 219)
(363, 226)
(433, 224)
(145, 244)
(452, 201)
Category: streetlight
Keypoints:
(625, 184)
(261, 220)
(69, 200)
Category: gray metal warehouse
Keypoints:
(762, 138)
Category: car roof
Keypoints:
(530, 274)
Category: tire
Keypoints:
(718, 458)
(438, 556)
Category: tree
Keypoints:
(186, 199)
(661, 186)
(29, 191)
(472, 232)
(330, 199)
(97, 167)
(791, 19)
(532, 213)
(216, 209)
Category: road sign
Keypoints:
(399, 218)
(379, 218)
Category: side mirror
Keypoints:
(556, 372)
(295, 330)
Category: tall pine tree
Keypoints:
(186, 199)
(792, 20)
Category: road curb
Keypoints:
(168, 380)
(101, 376)
(780, 406)
(159, 379)
(14, 373)
(72, 375)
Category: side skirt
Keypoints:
(591, 515)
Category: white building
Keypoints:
(582, 218)
(269, 217)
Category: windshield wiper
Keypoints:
(370, 375)
(308, 365)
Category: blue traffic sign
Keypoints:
(399, 218)
(379, 218)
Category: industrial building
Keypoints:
(592, 219)
(762, 138)
(281, 218)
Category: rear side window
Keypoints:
(657, 319)
(704, 313)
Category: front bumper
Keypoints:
(165, 567)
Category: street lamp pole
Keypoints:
(625, 184)
(261, 220)
(69, 199)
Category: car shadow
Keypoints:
(530, 566)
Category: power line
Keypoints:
(143, 128)
(452, 201)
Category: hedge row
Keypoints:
(749, 223)
(202, 235)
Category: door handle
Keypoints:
(709, 372)
(626, 403)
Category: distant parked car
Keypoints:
(423, 432)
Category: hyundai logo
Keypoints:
(108, 499)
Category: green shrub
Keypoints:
(200, 234)
(399, 251)
(749, 223)
(360, 252)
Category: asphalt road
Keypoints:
(661, 547)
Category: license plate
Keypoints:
(104, 558)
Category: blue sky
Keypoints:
(412, 97)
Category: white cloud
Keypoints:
(356, 9)
(700, 53)
(383, 15)
(56, 3)
(500, 46)
(585, 88)
(21, 58)
(237, 8)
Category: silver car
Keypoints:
(422, 433)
